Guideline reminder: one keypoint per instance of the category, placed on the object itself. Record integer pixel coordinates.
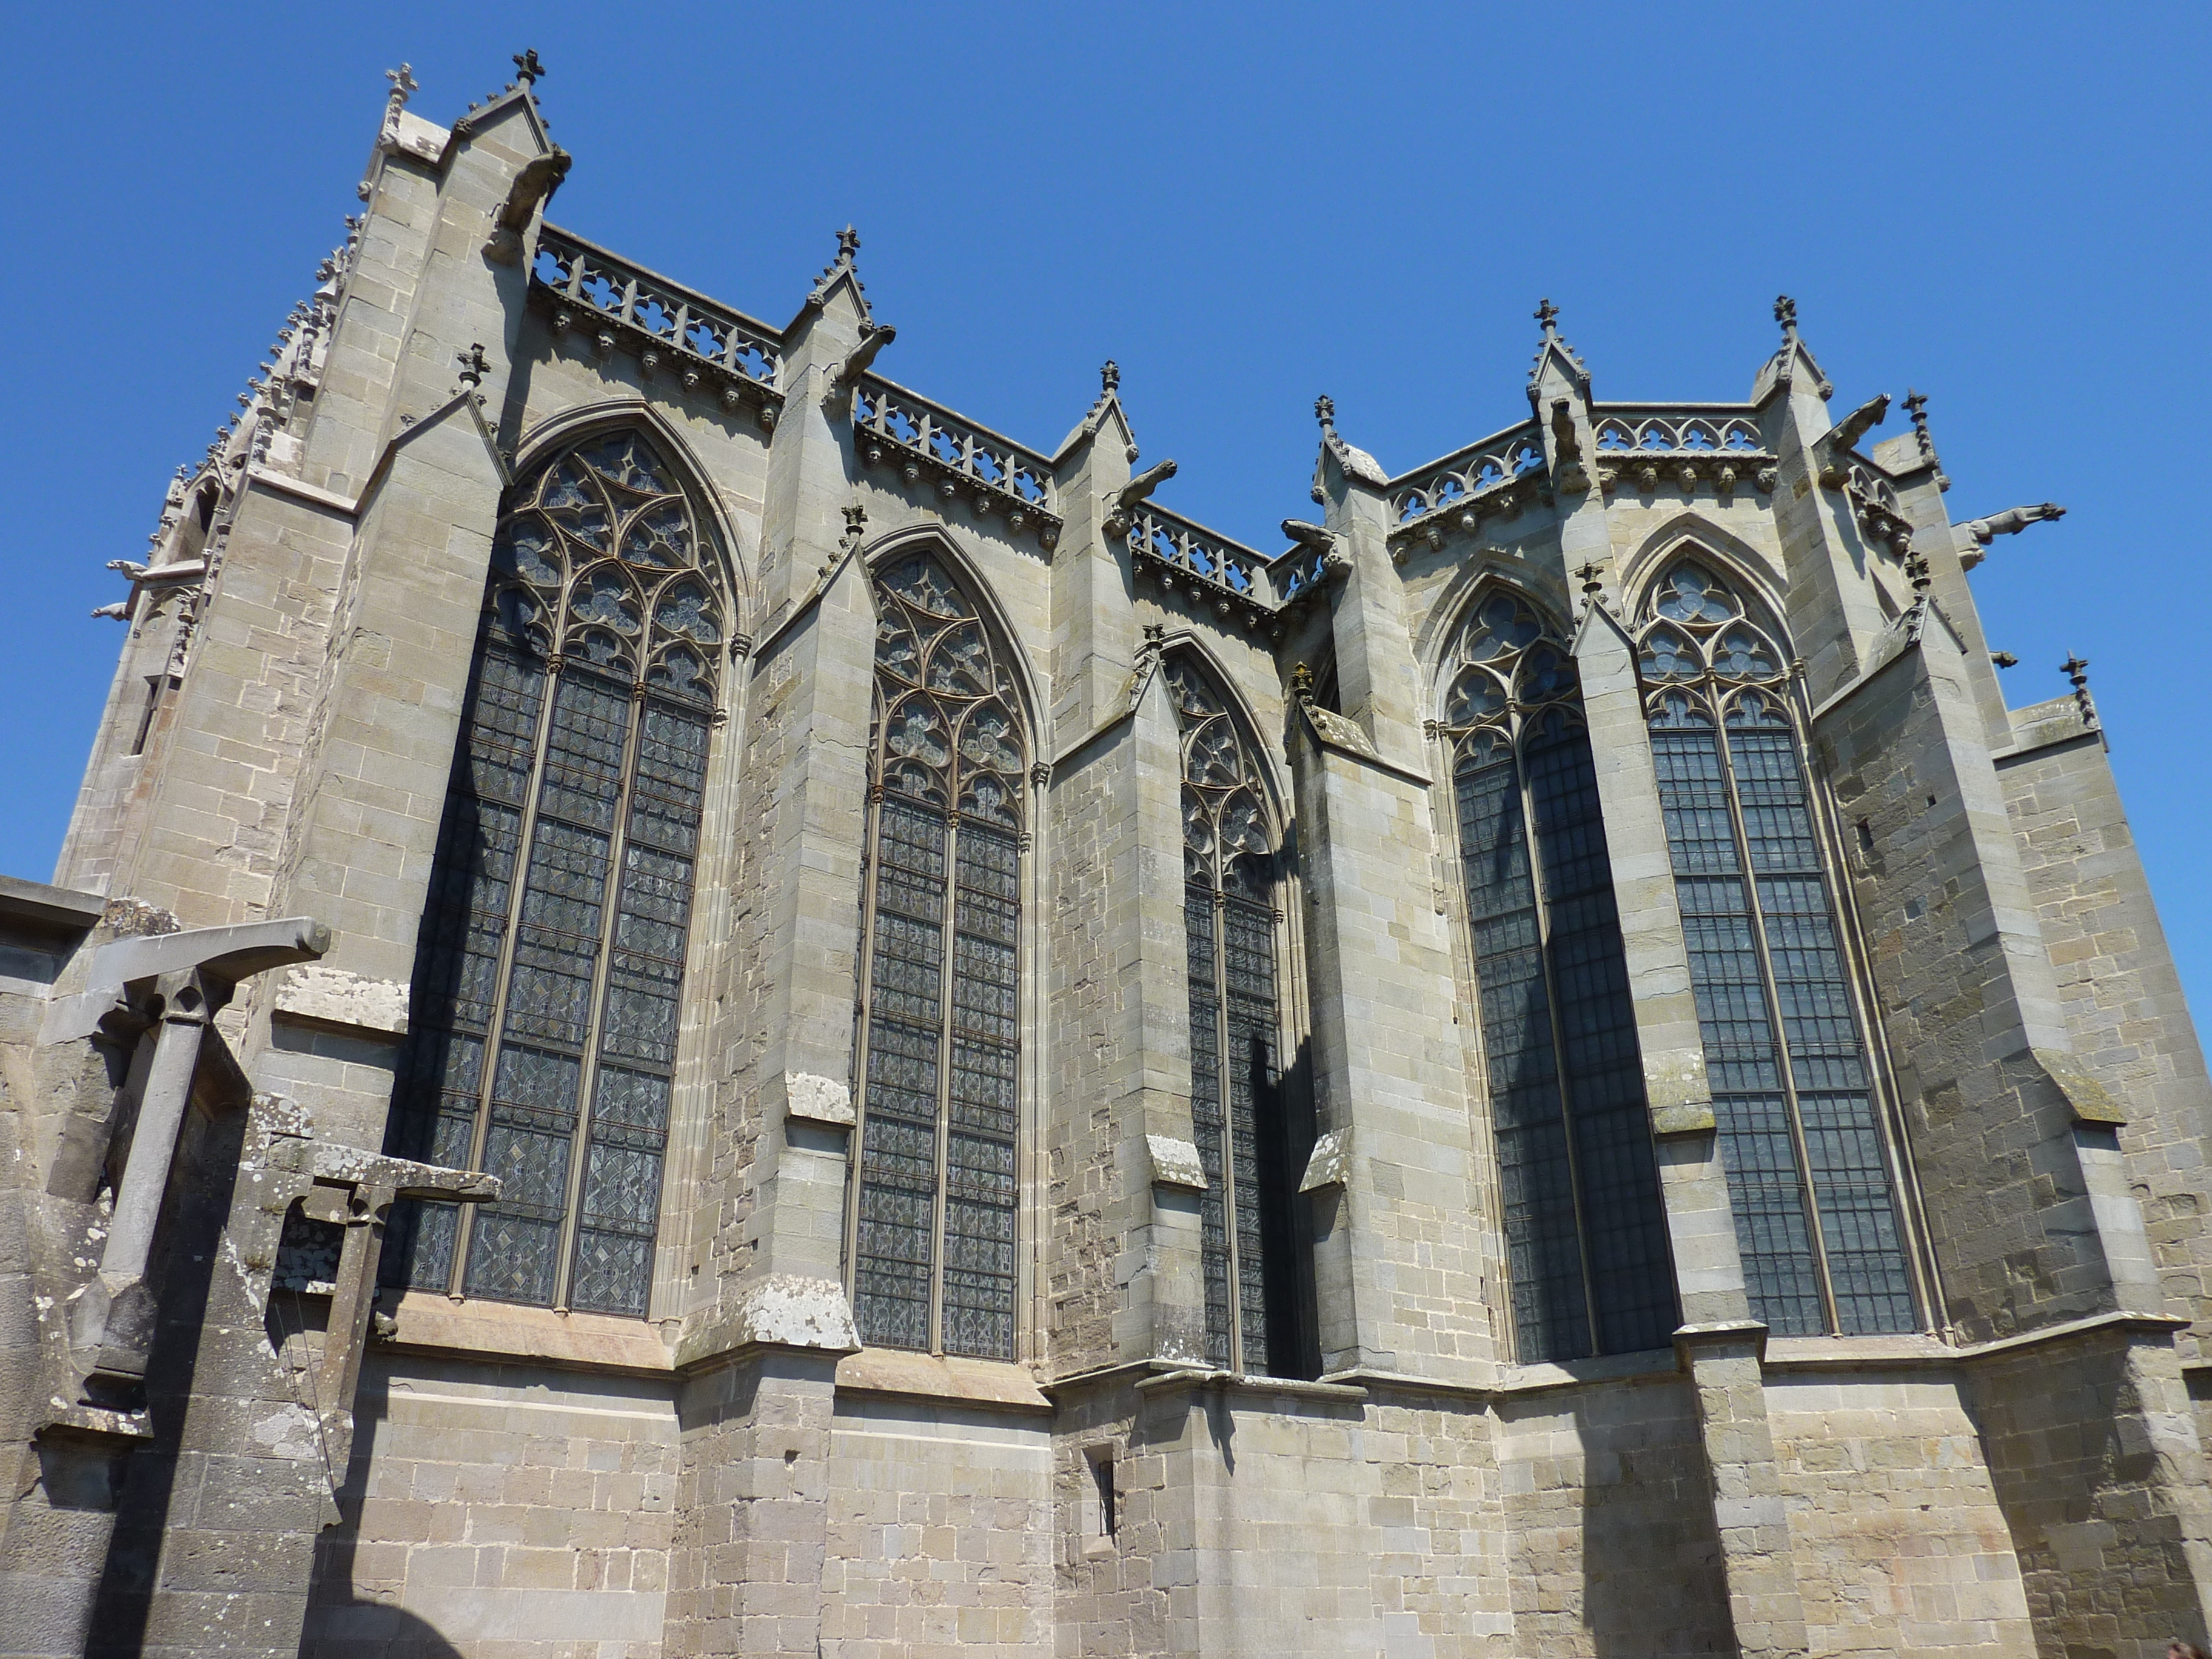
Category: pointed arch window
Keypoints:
(1245, 1219)
(1585, 1230)
(550, 965)
(935, 1186)
(1808, 1173)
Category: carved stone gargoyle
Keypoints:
(1127, 500)
(1569, 472)
(1842, 438)
(533, 186)
(1335, 560)
(848, 372)
(1972, 537)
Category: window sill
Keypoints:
(958, 1382)
(431, 1323)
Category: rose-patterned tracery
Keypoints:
(1236, 1076)
(550, 962)
(934, 1197)
(1809, 1177)
(1585, 1231)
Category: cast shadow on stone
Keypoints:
(1653, 1579)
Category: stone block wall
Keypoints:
(1900, 1544)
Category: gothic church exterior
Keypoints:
(695, 1006)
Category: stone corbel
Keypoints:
(820, 1100)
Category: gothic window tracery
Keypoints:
(1586, 1241)
(550, 967)
(1808, 1174)
(935, 1184)
(1236, 1068)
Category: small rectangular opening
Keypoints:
(154, 688)
(1099, 1507)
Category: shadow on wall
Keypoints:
(1653, 1581)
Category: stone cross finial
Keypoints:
(856, 519)
(473, 366)
(1591, 585)
(1302, 685)
(1548, 315)
(2076, 670)
(527, 69)
(403, 83)
(1110, 378)
(1917, 571)
(1785, 312)
(849, 245)
(1325, 409)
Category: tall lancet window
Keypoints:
(1816, 1217)
(934, 1193)
(1585, 1231)
(1236, 1074)
(550, 966)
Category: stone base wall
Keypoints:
(1900, 1542)
(505, 1511)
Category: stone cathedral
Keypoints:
(694, 1006)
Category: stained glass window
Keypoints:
(935, 1185)
(550, 966)
(1235, 1073)
(1586, 1239)
(1808, 1174)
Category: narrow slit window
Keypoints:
(550, 967)
(934, 1200)
(1808, 1172)
(1588, 1256)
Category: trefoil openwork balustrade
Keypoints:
(1678, 445)
(585, 285)
(893, 425)
(1213, 572)
(1482, 479)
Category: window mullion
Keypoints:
(1756, 908)
(496, 1027)
(587, 1070)
(1543, 906)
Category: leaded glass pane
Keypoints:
(572, 1003)
(1551, 1314)
(1208, 1118)
(1630, 1279)
(940, 1089)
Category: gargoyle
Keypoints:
(533, 186)
(857, 360)
(129, 569)
(119, 611)
(2013, 520)
(1309, 535)
(1845, 435)
(1978, 534)
(1132, 493)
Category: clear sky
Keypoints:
(2005, 207)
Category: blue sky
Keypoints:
(2006, 208)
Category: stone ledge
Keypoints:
(431, 1323)
(331, 999)
(921, 1376)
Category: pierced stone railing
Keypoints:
(1209, 568)
(1483, 476)
(660, 320)
(1680, 445)
(895, 427)
(1300, 574)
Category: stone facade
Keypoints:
(1282, 1343)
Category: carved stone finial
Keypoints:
(2004, 659)
(1785, 312)
(403, 84)
(1325, 409)
(1110, 378)
(1548, 315)
(1592, 585)
(856, 519)
(1916, 569)
(527, 69)
(473, 366)
(849, 245)
(2076, 670)
(1302, 685)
